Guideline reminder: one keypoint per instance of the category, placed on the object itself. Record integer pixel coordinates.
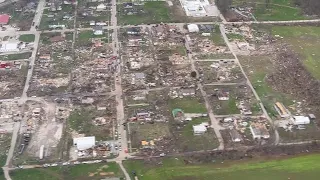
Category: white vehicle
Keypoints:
(119, 137)
(76, 162)
(65, 163)
(53, 165)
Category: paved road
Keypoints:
(214, 60)
(31, 63)
(214, 122)
(118, 90)
(223, 33)
(11, 150)
(38, 15)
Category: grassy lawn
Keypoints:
(153, 12)
(276, 10)
(232, 37)
(216, 37)
(147, 132)
(187, 141)
(311, 132)
(81, 121)
(257, 68)
(297, 168)
(83, 171)
(227, 107)
(306, 41)
(27, 37)
(46, 20)
(10, 57)
(5, 140)
(188, 105)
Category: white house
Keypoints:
(84, 143)
(300, 120)
(193, 28)
(200, 128)
(101, 7)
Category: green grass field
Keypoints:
(188, 105)
(83, 172)
(304, 167)
(154, 12)
(187, 141)
(304, 40)
(27, 37)
(277, 10)
(18, 56)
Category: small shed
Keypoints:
(193, 28)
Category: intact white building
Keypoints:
(193, 28)
(198, 8)
(9, 47)
(300, 120)
(200, 128)
(84, 143)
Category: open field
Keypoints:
(84, 172)
(306, 41)
(304, 167)
(276, 10)
(27, 38)
(188, 105)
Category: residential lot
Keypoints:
(155, 62)
(158, 127)
(21, 15)
(206, 42)
(52, 65)
(94, 64)
(90, 14)
(223, 71)
(58, 15)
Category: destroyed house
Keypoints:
(188, 91)
(259, 131)
(142, 115)
(223, 95)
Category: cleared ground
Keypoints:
(306, 41)
(83, 172)
(257, 68)
(304, 167)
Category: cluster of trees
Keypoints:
(311, 7)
